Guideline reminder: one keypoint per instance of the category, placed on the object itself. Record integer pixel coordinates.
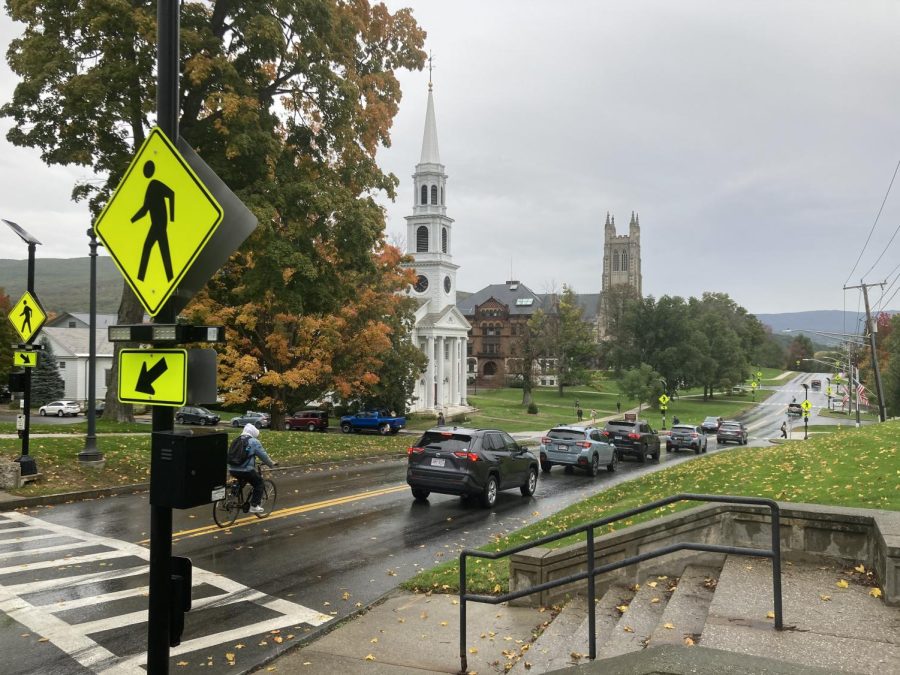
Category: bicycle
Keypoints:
(237, 499)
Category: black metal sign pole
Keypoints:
(167, 108)
(27, 464)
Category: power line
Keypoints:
(883, 201)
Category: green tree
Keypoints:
(800, 348)
(528, 349)
(891, 372)
(569, 339)
(641, 383)
(46, 382)
(288, 102)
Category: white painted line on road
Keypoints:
(74, 638)
(45, 549)
(35, 537)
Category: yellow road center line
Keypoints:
(283, 513)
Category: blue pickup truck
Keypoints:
(372, 420)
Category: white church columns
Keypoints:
(454, 371)
(429, 373)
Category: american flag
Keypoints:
(861, 394)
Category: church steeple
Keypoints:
(430, 152)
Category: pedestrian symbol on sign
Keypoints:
(155, 204)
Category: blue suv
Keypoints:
(583, 447)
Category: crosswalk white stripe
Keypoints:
(45, 549)
(36, 537)
(78, 580)
(77, 603)
(65, 562)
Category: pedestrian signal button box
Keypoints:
(187, 468)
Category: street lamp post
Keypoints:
(91, 456)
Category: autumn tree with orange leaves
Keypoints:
(288, 101)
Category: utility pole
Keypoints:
(872, 329)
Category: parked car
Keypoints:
(794, 409)
(578, 446)
(260, 420)
(195, 415)
(469, 462)
(381, 421)
(633, 437)
(311, 420)
(816, 385)
(686, 437)
(731, 431)
(711, 424)
(60, 408)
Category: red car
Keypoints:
(311, 420)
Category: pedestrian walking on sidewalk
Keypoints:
(618, 407)
(784, 429)
(593, 415)
(580, 413)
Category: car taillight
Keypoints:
(545, 440)
(606, 433)
(412, 450)
(584, 444)
(633, 436)
(462, 454)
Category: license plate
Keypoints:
(438, 462)
(562, 448)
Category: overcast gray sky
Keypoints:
(756, 139)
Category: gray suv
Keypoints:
(583, 447)
(633, 437)
(469, 462)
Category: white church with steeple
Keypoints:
(440, 331)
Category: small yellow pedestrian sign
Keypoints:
(663, 400)
(25, 359)
(806, 405)
(158, 221)
(156, 376)
(27, 316)
(754, 385)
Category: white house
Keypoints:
(70, 345)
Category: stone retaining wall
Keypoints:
(808, 532)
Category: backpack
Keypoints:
(238, 451)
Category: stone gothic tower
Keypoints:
(621, 265)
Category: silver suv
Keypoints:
(584, 447)
(60, 408)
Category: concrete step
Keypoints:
(636, 624)
(826, 625)
(565, 641)
(685, 614)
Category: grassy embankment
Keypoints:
(851, 467)
(128, 457)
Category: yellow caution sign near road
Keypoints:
(158, 221)
(663, 400)
(25, 359)
(157, 376)
(806, 405)
(27, 317)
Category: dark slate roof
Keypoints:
(505, 294)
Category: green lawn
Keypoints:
(851, 467)
(128, 457)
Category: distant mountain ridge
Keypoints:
(814, 322)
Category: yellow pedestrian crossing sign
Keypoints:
(27, 359)
(663, 400)
(806, 405)
(158, 221)
(27, 316)
(157, 376)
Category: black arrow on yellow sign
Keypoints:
(149, 376)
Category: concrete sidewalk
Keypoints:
(417, 633)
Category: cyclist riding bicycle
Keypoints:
(247, 470)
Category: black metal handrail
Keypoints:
(592, 570)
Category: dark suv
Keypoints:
(732, 431)
(576, 446)
(633, 437)
(469, 462)
(311, 420)
(192, 415)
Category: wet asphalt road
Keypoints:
(340, 537)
